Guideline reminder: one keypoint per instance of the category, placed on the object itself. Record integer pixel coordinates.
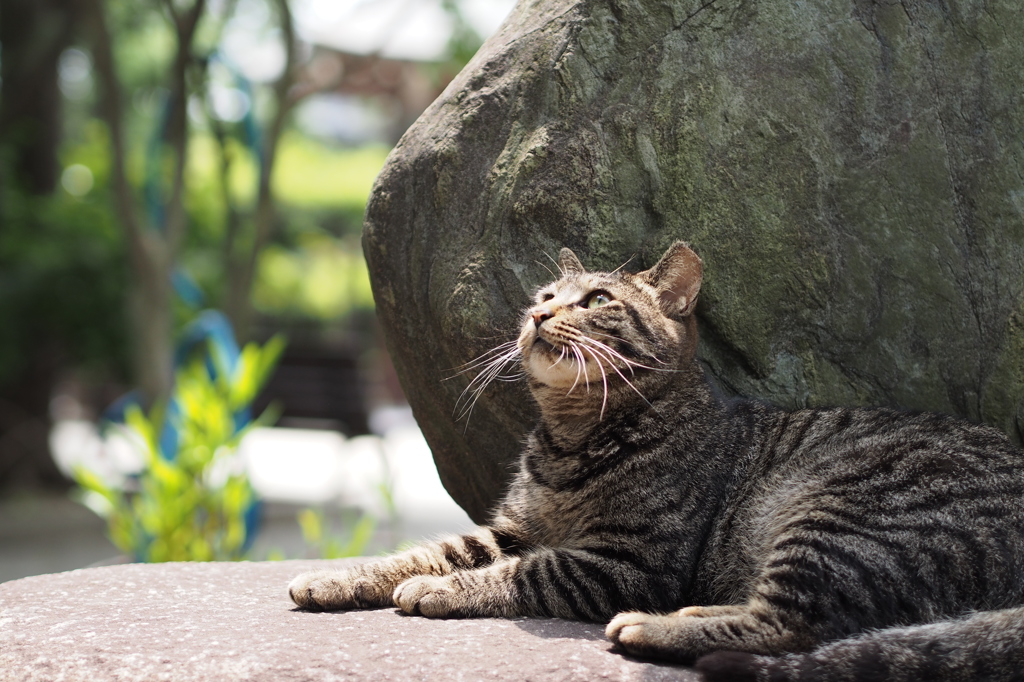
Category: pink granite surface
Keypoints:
(224, 621)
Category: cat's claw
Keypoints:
(425, 595)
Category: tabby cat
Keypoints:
(762, 544)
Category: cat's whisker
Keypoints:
(572, 359)
(622, 340)
(611, 354)
(495, 365)
(467, 401)
(561, 356)
(557, 264)
(579, 370)
(546, 267)
(482, 360)
(604, 381)
(627, 361)
(623, 377)
(582, 361)
(492, 370)
(623, 265)
(467, 409)
(492, 351)
(634, 347)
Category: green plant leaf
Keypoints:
(361, 534)
(312, 524)
(190, 506)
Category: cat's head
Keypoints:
(611, 329)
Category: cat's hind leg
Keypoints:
(689, 633)
(813, 588)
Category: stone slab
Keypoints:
(193, 622)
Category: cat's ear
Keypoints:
(569, 263)
(677, 277)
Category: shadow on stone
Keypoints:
(552, 628)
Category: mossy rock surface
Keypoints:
(851, 172)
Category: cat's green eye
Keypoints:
(598, 299)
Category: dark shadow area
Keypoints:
(656, 670)
(555, 628)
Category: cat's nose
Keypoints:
(541, 314)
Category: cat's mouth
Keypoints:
(552, 350)
(544, 346)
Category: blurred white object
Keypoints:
(305, 466)
(113, 456)
(385, 419)
(294, 465)
(417, 489)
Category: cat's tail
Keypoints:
(987, 645)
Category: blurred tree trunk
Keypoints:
(25, 460)
(242, 256)
(153, 249)
(33, 33)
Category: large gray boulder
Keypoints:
(850, 171)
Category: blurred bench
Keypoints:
(318, 386)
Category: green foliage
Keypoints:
(63, 280)
(64, 275)
(192, 505)
(464, 41)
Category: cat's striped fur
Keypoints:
(787, 542)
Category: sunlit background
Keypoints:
(179, 179)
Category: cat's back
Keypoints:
(923, 510)
(887, 453)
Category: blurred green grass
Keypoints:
(309, 174)
(324, 278)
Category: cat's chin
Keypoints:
(552, 369)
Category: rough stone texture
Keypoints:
(224, 622)
(850, 171)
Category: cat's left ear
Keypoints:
(677, 277)
(569, 263)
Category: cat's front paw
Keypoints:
(427, 595)
(336, 590)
